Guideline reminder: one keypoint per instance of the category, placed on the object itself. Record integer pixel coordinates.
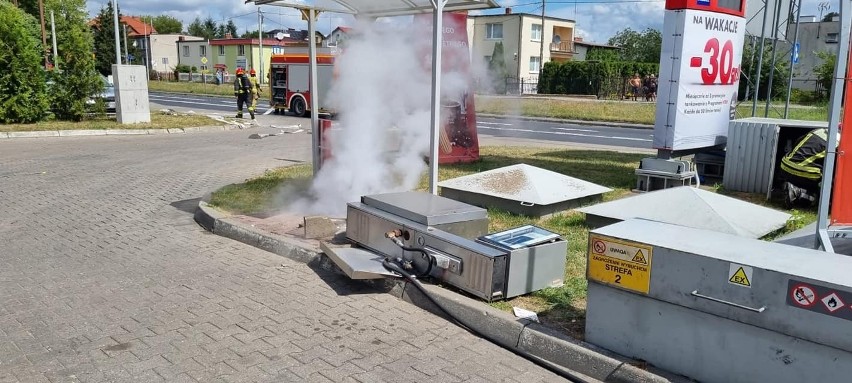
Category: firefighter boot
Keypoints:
(251, 112)
(239, 114)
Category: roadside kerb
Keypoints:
(566, 121)
(115, 132)
(510, 332)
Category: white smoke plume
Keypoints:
(381, 93)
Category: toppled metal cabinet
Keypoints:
(717, 307)
(754, 150)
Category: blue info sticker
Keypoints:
(703, 2)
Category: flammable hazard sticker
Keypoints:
(620, 263)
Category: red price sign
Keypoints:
(720, 66)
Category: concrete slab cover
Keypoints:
(693, 207)
(525, 183)
(357, 263)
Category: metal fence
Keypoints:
(611, 88)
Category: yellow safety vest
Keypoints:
(805, 160)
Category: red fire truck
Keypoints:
(290, 83)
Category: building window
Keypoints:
(202, 51)
(535, 32)
(241, 50)
(221, 50)
(493, 31)
(535, 64)
(165, 60)
(831, 37)
(186, 51)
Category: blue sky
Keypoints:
(597, 20)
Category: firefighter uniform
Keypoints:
(242, 89)
(802, 168)
(255, 92)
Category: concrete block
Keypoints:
(131, 94)
(157, 131)
(111, 132)
(175, 130)
(319, 227)
(4, 135)
(89, 132)
(44, 133)
(191, 130)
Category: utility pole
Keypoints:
(541, 49)
(53, 35)
(43, 33)
(260, 36)
(126, 56)
(145, 41)
(117, 36)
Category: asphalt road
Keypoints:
(498, 127)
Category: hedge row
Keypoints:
(589, 77)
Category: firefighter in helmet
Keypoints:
(242, 89)
(255, 91)
(802, 168)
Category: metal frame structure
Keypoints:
(823, 239)
(374, 8)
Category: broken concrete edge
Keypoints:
(115, 132)
(580, 358)
(567, 121)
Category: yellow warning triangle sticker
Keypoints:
(740, 278)
(640, 258)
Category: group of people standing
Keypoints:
(646, 87)
(247, 90)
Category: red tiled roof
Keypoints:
(268, 42)
(135, 26)
(344, 29)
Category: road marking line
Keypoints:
(495, 123)
(565, 133)
(577, 130)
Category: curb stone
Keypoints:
(581, 358)
(115, 132)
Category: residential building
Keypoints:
(524, 38)
(229, 54)
(814, 36)
(164, 56)
(338, 36)
(583, 48)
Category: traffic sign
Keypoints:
(204, 60)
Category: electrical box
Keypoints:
(717, 307)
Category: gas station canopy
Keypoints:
(379, 8)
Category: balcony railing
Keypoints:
(562, 47)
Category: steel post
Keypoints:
(117, 36)
(822, 238)
(312, 54)
(760, 59)
(435, 125)
(795, 52)
(775, 25)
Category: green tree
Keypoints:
(249, 35)
(644, 47)
(231, 28)
(23, 93)
(497, 69)
(104, 39)
(601, 54)
(211, 29)
(77, 79)
(825, 71)
(164, 24)
(196, 28)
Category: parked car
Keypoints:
(107, 96)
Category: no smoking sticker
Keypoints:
(803, 295)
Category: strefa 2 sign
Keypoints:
(699, 72)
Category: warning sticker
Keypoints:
(740, 275)
(620, 263)
(832, 301)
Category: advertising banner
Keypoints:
(841, 194)
(458, 137)
(699, 77)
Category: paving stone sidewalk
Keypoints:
(104, 276)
